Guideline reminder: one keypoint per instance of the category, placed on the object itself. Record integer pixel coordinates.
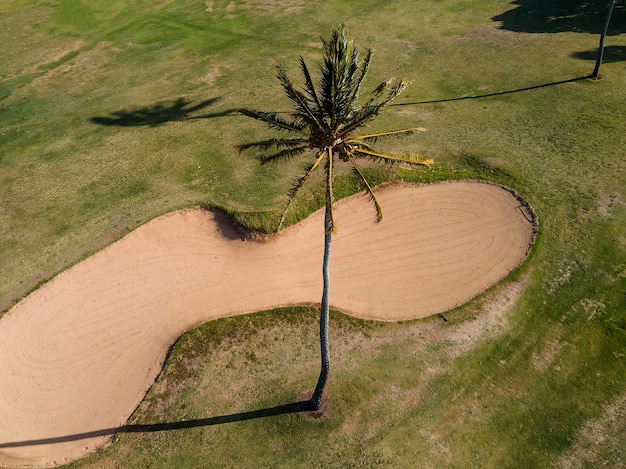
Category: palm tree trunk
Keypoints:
(596, 70)
(316, 398)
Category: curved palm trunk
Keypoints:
(596, 70)
(316, 398)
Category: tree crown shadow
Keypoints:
(612, 54)
(160, 113)
(557, 16)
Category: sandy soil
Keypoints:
(78, 355)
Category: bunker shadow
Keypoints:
(292, 408)
(230, 228)
(160, 113)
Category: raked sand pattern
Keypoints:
(78, 354)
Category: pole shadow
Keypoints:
(292, 408)
(499, 93)
(160, 113)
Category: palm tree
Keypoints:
(596, 69)
(324, 121)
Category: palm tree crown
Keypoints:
(325, 119)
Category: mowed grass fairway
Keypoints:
(114, 112)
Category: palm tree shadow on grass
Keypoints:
(556, 16)
(292, 408)
(160, 113)
(612, 54)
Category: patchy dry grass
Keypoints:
(599, 443)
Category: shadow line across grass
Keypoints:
(498, 93)
(294, 407)
(182, 110)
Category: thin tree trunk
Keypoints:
(316, 398)
(596, 70)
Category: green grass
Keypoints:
(524, 392)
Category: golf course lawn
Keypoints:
(115, 113)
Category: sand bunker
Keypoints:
(78, 355)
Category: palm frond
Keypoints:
(359, 119)
(365, 65)
(370, 110)
(396, 91)
(369, 190)
(302, 179)
(378, 91)
(303, 109)
(310, 87)
(273, 143)
(285, 154)
(298, 185)
(349, 84)
(340, 77)
(378, 101)
(393, 134)
(274, 121)
(392, 158)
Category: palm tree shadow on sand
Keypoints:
(292, 408)
(161, 113)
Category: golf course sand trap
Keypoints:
(78, 355)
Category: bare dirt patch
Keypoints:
(608, 203)
(598, 443)
(544, 358)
